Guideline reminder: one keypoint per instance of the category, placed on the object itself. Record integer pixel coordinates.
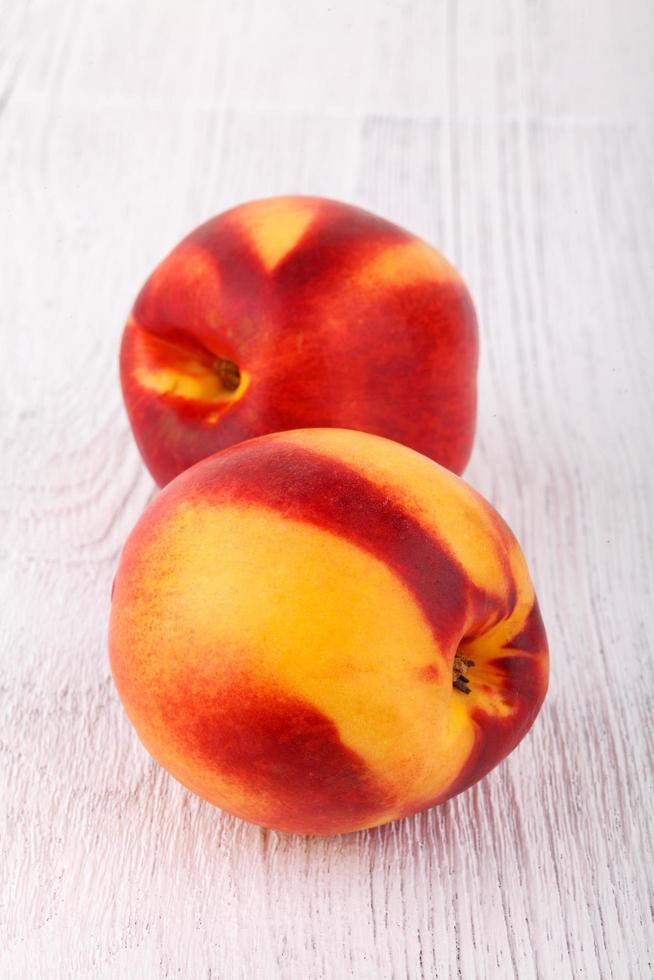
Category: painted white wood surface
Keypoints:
(519, 137)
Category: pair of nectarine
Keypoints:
(319, 629)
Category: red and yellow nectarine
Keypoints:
(322, 630)
(294, 312)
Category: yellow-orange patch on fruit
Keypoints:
(404, 264)
(357, 653)
(193, 382)
(486, 693)
(447, 506)
(168, 368)
(275, 227)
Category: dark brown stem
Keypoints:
(459, 680)
(229, 373)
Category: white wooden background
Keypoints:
(518, 135)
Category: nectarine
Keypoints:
(294, 312)
(322, 630)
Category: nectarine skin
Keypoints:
(322, 630)
(292, 312)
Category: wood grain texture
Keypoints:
(518, 137)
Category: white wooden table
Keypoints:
(519, 137)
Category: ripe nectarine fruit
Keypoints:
(294, 312)
(322, 630)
